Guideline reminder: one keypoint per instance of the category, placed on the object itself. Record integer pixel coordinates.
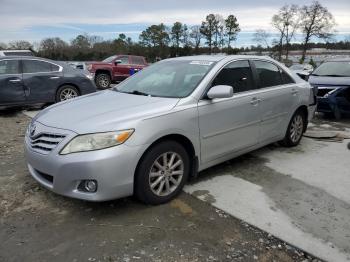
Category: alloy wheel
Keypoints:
(166, 174)
(68, 93)
(296, 128)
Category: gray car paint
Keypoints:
(218, 129)
(40, 87)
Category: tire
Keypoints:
(103, 81)
(157, 182)
(295, 130)
(66, 92)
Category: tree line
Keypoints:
(215, 34)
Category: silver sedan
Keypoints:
(152, 132)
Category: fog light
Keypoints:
(90, 186)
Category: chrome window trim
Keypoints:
(60, 68)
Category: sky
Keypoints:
(34, 20)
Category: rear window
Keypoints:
(136, 60)
(36, 66)
(17, 53)
(269, 74)
(333, 69)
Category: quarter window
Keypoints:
(268, 73)
(9, 67)
(35, 66)
(237, 74)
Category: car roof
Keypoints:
(217, 58)
(25, 57)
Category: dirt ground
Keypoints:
(37, 225)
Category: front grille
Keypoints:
(45, 142)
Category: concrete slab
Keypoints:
(30, 113)
(300, 195)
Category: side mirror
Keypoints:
(220, 91)
(116, 62)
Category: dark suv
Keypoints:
(27, 80)
(115, 69)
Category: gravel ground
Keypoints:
(37, 225)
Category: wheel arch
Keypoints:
(104, 71)
(182, 140)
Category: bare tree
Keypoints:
(196, 36)
(21, 44)
(316, 21)
(219, 31)
(3, 46)
(261, 37)
(286, 21)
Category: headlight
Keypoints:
(96, 141)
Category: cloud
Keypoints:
(21, 18)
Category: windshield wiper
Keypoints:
(136, 92)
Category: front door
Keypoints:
(11, 84)
(41, 80)
(230, 124)
(121, 70)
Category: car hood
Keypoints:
(104, 111)
(329, 81)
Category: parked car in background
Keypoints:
(302, 70)
(153, 131)
(116, 69)
(332, 79)
(27, 80)
(16, 53)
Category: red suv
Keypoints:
(115, 69)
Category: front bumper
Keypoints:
(112, 168)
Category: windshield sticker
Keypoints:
(204, 63)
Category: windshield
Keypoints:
(110, 59)
(333, 69)
(167, 79)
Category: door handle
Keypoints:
(15, 80)
(54, 77)
(255, 101)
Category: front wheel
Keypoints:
(295, 130)
(162, 173)
(103, 81)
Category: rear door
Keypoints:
(278, 96)
(41, 80)
(11, 84)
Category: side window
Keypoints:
(135, 60)
(269, 74)
(124, 59)
(238, 75)
(287, 79)
(35, 66)
(9, 67)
